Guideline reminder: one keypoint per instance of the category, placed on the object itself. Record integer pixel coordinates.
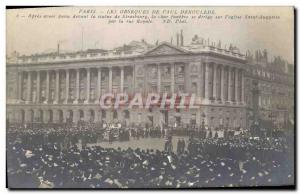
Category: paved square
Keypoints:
(142, 143)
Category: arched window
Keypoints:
(41, 114)
(60, 116)
(31, 116)
(92, 115)
(81, 114)
(50, 116)
(22, 116)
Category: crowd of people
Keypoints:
(61, 157)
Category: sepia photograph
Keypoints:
(150, 97)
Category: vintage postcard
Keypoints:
(150, 97)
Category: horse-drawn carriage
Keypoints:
(112, 132)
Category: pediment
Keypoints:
(164, 49)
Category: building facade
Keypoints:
(270, 90)
(66, 87)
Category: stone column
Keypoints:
(206, 79)
(187, 78)
(200, 77)
(214, 82)
(47, 86)
(97, 119)
(242, 87)
(65, 116)
(222, 83)
(36, 115)
(133, 79)
(88, 85)
(158, 79)
(77, 86)
(172, 78)
(38, 86)
(110, 79)
(67, 86)
(122, 79)
(229, 85)
(203, 80)
(236, 85)
(20, 86)
(28, 86)
(56, 87)
(98, 85)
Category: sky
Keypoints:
(28, 36)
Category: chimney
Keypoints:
(181, 38)
(177, 41)
(57, 48)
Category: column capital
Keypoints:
(210, 63)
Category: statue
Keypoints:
(265, 54)
(180, 70)
(219, 44)
(167, 71)
(153, 72)
(195, 38)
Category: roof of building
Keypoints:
(142, 48)
(134, 48)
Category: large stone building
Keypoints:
(231, 88)
(269, 89)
